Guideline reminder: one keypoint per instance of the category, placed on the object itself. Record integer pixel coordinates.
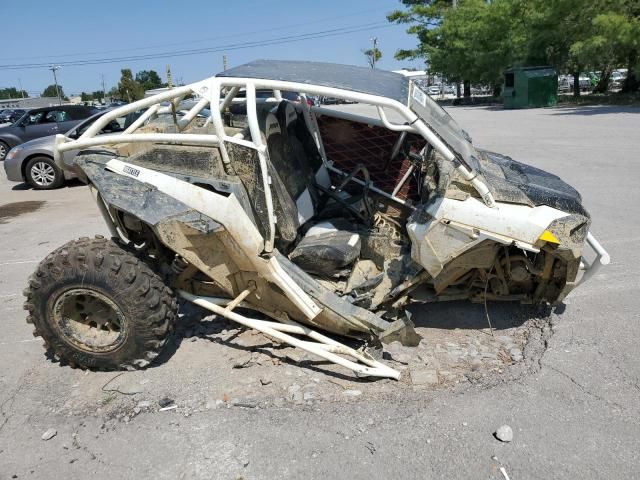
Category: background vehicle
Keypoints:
(41, 122)
(33, 161)
(10, 115)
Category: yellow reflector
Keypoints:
(547, 236)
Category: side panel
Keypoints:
(446, 228)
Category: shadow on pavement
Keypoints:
(465, 315)
(589, 110)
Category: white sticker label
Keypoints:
(419, 96)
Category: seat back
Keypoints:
(301, 154)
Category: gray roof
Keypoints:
(347, 77)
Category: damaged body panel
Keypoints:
(322, 219)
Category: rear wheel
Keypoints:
(43, 174)
(97, 306)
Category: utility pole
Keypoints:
(224, 63)
(21, 90)
(104, 91)
(53, 68)
(169, 80)
(374, 52)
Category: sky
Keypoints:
(44, 32)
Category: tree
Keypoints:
(476, 40)
(128, 88)
(373, 56)
(51, 91)
(12, 92)
(149, 79)
(85, 97)
(614, 41)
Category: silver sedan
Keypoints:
(32, 161)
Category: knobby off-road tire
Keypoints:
(99, 307)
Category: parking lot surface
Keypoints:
(567, 381)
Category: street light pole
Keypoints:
(53, 68)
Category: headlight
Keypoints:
(13, 152)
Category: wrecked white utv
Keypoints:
(320, 219)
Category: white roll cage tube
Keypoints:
(206, 88)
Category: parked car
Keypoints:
(434, 90)
(32, 161)
(41, 122)
(10, 115)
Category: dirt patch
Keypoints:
(15, 209)
(228, 366)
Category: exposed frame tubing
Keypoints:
(274, 330)
(175, 138)
(150, 112)
(185, 121)
(356, 118)
(379, 102)
(403, 180)
(373, 188)
(277, 94)
(132, 107)
(254, 128)
(216, 119)
(108, 219)
(392, 126)
(602, 258)
(228, 98)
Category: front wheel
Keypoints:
(43, 174)
(97, 306)
(4, 149)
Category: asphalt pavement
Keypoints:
(575, 414)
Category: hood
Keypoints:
(42, 142)
(516, 182)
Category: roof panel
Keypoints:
(347, 77)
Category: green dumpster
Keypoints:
(530, 87)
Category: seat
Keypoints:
(327, 249)
(330, 246)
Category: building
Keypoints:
(29, 102)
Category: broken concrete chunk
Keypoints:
(504, 434)
(49, 434)
(424, 377)
(401, 330)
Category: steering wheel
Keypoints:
(349, 203)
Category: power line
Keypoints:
(237, 46)
(187, 42)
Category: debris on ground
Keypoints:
(504, 434)
(352, 393)
(49, 434)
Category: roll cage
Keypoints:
(209, 94)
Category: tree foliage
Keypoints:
(476, 40)
(149, 79)
(128, 88)
(51, 91)
(12, 92)
(373, 56)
